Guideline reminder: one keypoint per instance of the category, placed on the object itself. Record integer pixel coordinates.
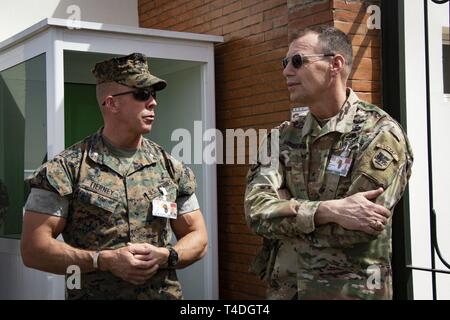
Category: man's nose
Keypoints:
(288, 71)
(151, 103)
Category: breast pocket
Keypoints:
(95, 221)
(92, 204)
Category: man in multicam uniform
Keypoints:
(324, 211)
(106, 195)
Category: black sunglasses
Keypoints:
(298, 59)
(139, 95)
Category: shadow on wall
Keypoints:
(104, 11)
(251, 92)
(366, 42)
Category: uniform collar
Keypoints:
(341, 122)
(100, 153)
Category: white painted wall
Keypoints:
(121, 12)
(417, 132)
(25, 283)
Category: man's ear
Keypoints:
(111, 105)
(337, 64)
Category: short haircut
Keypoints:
(331, 40)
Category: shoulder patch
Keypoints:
(382, 159)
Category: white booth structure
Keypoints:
(47, 102)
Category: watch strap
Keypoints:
(172, 260)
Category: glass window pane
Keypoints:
(23, 137)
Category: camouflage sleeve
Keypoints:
(53, 176)
(385, 163)
(266, 213)
(182, 175)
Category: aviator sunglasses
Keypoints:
(139, 95)
(298, 59)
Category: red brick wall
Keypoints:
(251, 92)
(365, 79)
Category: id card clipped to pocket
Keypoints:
(163, 208)
(339, 165)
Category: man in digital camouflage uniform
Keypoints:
(324, 211)
(106, 195)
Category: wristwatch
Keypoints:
(172, 260)
(95, 259)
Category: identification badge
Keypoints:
(339, 165)
(165, 209)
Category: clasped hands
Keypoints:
(135, 263)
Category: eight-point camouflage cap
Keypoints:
(131, 70)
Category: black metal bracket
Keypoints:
(427, 269)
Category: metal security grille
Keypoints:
(394, 102)
(435, 251)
